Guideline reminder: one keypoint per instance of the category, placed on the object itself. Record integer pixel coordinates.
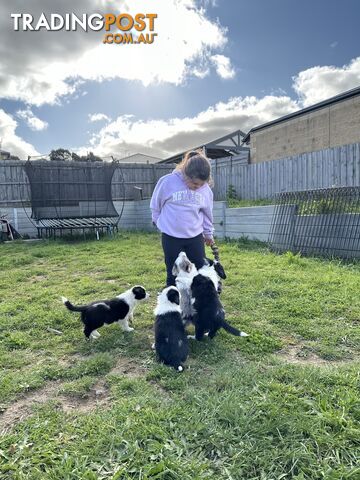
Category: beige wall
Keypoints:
(331, 126)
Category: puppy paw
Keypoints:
(153, 346)
(93, 335)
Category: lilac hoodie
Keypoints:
(179, 211)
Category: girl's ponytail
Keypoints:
(195, 165)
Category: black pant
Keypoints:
(172, 246)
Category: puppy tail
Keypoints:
(232, 330)
(72, 307)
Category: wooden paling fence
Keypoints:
(335, 167)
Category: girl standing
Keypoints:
(181, 205)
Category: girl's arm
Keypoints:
(157, 200)
(208, 227)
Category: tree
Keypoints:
(61, 154)
(93, 158)
(75, 157)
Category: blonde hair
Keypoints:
(195, 165)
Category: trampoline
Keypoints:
(71, 196)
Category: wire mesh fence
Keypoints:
(322, 222)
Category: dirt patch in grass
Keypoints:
(128, 367)
(297, 354)
(22, 408)
(98, 395)
(302, 355)
(69, 360)
(39, 278)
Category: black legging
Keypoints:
(172, 246)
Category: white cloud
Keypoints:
(319, 83)
(186, 39)
(98, 117)
(211, 3)
(12, 142)
(165, 138)
(223, 66)
(34, 123)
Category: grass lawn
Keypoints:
(281, 404)
(237, 203)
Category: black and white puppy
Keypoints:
(184, 271)
(210, 314)
(171, 342)
(119, 309)
(215, 271)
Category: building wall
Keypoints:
(331, 126)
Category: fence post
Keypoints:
(154, 177)
(224, 219)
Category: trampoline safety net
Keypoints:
(71, 195)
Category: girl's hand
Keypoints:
(209, 241)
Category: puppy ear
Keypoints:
(139, 292)
(174, 270)
(173, 296)
(219, 269)
(188, 267)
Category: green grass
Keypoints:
(236, 202)
(282, 404)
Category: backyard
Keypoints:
(281, 404)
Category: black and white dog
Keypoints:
(184, 271)
(215, 271)
(210, 314)
(171, 342)
(119, 309)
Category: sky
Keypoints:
(215, 66)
